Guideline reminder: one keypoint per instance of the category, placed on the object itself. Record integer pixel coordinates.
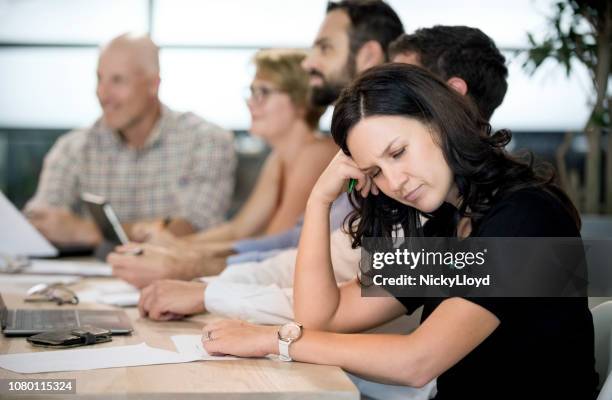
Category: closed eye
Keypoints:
(375, 174)
(399, 153)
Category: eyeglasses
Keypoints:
(13, 264)
(259, 94)
(56, 292)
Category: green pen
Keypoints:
(351, 186)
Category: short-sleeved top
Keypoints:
(185, 169)
(543, 348)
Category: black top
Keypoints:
(543, 348)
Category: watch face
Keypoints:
(290, 331)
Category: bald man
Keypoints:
(151, 163)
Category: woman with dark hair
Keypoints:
(420, 151)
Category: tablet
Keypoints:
(105, 218)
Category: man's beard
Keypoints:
(329, 91)
(323, 96)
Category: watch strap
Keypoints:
(283, 350)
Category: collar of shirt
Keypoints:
(158, 130)
(156, 135)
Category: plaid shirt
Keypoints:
(186, 169)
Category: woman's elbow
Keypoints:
(418, 381)
(312, 322)
(416, 374)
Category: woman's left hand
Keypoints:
(239, 338)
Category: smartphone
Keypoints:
(105, 218)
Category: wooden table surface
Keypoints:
(248, 378)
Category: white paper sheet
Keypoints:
(120, 299)
(58, 267)
(117, 293)
(189, 346)
(18, 236)
(192, 345)
(93, 358)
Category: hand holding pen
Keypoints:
(145, 231)
(136, 251)
(130, 249)
(372, 188)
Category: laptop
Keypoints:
(18, 236)
(23, 239)
(26, 322)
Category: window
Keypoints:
(48, 52)
(69, 21)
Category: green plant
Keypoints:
(581, 30)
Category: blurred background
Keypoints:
(48, 55)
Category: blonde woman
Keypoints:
(281, 115)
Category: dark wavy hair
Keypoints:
(483, 171)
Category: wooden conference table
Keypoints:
(248, 378)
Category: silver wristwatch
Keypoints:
(288, 334)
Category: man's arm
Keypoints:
(161, 262)
(63, 227)
(58, 184)
(53, 208)
(258, 292)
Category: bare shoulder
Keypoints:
(323, 148)
(313, 159)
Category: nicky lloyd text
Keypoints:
(432, 280)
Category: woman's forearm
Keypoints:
(223, 232)
(316, 294)
(381, 358)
